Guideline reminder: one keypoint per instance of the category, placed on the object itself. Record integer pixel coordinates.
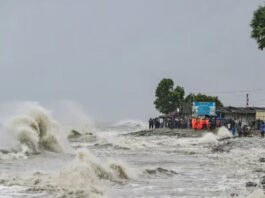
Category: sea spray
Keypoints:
(223, 132)
(36, 129)
(131, 125)
(111, 170)
(208, 138)
(213, 139)
(160, 169)
(87, 173)
(122, 170)
(29, 137)
(22, 154)
(80, 174)
(73, 118)
(85, 176)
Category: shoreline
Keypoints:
(170, 132)
(181, 132)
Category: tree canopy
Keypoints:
(168, 99)
(203, 98)
(258, 26)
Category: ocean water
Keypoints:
(42, 157)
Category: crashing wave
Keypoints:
(36, 130)
(110, 170)
(210, 138)
(223, 132)
(73, 118)
(87, 172)
(82, 177)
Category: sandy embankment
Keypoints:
(180, 132)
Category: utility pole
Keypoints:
(247, 104)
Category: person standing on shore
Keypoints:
(258, 124)
(151, 123)
(262, 129)
(233, 126)
(240, 129)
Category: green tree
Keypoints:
(258, 27)
(190, 98)
(181, 92)
(203, 98)
(168, 99)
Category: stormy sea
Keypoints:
(43, 155)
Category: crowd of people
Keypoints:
(208, 123)
(181, 123)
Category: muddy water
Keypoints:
(109, 163)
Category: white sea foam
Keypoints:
(211, 138)
(123, 142)
(109, 169)
(132, 143)
(35, 129)
(223, 132)
(257, 194)
(208, 138)
(85, 176)
(132, 125)
(72, 115)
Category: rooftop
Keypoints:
(231, 109)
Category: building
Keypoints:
(243, 114)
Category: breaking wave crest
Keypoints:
(209, 138)
(110, 170)
(223, 132)
(82, 177)
(213, 139)
(34, 131)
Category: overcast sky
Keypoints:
(109, 56)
